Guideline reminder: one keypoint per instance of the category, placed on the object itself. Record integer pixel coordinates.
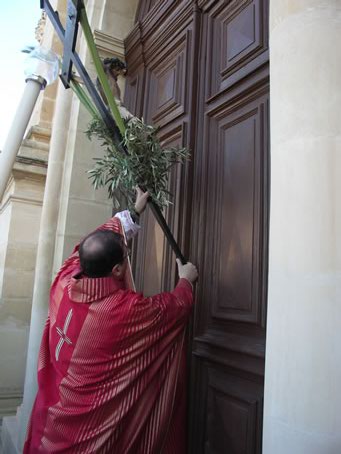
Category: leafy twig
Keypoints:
(147, 164)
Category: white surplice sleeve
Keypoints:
(130, 227)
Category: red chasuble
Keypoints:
(111, 368)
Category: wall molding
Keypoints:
(109, 45)
(10, 399)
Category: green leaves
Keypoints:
(147, 164)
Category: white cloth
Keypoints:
(130, 227)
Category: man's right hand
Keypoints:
(141, 200)
(188, 271)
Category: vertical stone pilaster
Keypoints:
(45, 252)
(303, 360)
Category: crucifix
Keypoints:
(71, 58)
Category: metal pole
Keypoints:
(16, 134)
(166, 230)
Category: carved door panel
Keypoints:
(199, 70)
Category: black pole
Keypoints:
(70, 38)
(166, 230)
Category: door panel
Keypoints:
(234, 408)
(237, 34)
(234, 197)
(165, 87)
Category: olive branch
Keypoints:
(147, 164)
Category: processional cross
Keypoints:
(68, 38)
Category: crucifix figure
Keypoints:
(113, 68)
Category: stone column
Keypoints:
(303, 358)
(45, 252)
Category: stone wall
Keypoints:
(19, 226)
(303, 361)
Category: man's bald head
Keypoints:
(99, 252)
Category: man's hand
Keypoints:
(188, 271)
(141, 201)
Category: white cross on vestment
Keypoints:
(62, 334)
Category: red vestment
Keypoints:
(111, 370)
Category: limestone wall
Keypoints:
(303, 360)
(19, 226)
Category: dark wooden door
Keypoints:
(200, 71)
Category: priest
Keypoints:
(111, 367)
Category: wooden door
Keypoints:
(200, 71)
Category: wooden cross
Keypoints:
(68, 38)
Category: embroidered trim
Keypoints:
(62, 333)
